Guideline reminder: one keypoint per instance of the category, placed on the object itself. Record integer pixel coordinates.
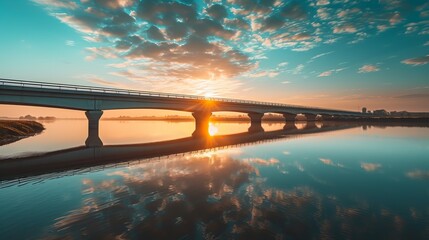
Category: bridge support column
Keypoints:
(289, 121)
(310, 117)
(93, 139)
(201, 123)
(289, 126)
(311, 121)
(255, 122)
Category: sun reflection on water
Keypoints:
(213, 130)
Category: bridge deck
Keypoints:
(28, 86)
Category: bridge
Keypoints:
(95, 100)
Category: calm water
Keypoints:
(344, 184)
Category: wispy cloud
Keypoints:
(330, 72)
(58, 3)
(70, 43)
(282, 64)
(325, 74)
(321, 55)
(418, 61)
(298, 69)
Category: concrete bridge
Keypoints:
(77, 158)
(95, 100)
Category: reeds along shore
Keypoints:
(14, 130)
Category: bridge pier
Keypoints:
(255, 122)
(289, 121)
(289, 126)
(93, 139)
(201, 123)
(311, 121)
(310, 117)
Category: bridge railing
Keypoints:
(60, 86)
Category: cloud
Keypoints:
(348, 28)
(114, 4)
(395, 19)
(154, 33)
(70, 43)
(273, 22)
(382, 28)
(217, 11)
(322, 2)
(210, 40)
(294, 10)
(330, 72)
(325, 74)
(320, 55)
(418, 61)
(282, 64)
(323, 13)
(264, 74)
(58, 3)
(298, 69)
(368, 68)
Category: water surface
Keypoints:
(344, 184)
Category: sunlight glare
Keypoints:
(209, 94)
(212, 129)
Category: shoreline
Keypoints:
(15, 130)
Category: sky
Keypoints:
(326, 53)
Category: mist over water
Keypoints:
(355, 183)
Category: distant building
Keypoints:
(381, 112)
(364, 110)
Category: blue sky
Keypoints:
(328, 53)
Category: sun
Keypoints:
(209, 94)
(212, 129)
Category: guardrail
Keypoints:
(60, 86)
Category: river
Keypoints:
(355, 182)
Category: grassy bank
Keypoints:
(14, 130)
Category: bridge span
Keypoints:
(95, 100)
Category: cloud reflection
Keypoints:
(418, 174)
(215, 196)
(369, 167)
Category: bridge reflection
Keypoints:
(86, 156)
